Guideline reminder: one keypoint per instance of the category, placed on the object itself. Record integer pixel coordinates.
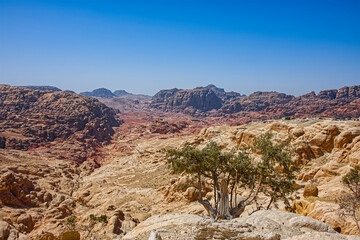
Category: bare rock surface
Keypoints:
(134, 184)
(265, 224)
(54, 119)
(213, 101)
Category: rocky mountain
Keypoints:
(31, 119)
(42, 88)
(256, 102)
(100, 92)
(213, 101)
(121, 93)
(200, 99)
(342, 103)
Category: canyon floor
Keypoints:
(40, 192)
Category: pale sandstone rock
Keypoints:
(297, 132)
(136, 183)
(346, 137)
(265, 224)
(321, 236)
(323, 141)
(154, 235)
(4, 230)
(279, 127)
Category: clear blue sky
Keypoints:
(291, 46)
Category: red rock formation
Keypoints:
(31, 118)
(342, 103)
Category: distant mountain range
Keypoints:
(106, 93)
(214, 101)
(43, 88)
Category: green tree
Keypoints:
(277, 168)
(350, 202)
(228, 171)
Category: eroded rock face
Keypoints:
(15, 190)
(100, 92)
(31, 118)
(134, 184)
(201, 99)
(342, 103)
(265, 224)
(164, 127)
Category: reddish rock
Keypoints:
(32, 118)
(15, 190)
(214, 102)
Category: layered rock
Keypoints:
(265, 224)
(31, 119)
(189, 101)
(135, 184)
(257, 101)
(342, 103)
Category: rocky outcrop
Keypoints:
(189, 101)
(121, 93)
(135, 184)
(100, 92)
(164, 127)
(342, 103)
(31, 119)
(265, 224)
(257, 101)
(42, 88)
(328, 103)
(15, 190)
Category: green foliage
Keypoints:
(352, 181)
(277, 167)
(102, 218)
(274, 172)
(71, 221)
(350, 202)
(212, 163)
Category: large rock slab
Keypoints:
(265, 224)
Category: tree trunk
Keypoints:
(206, 204)
(223, 202)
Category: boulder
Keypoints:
(4, 230)
(27, 221)
(310, 190)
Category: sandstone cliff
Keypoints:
(32, 119)
(134, 185)
(213, 101)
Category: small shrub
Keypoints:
(350, 202)
(102, 218)
(71, 222)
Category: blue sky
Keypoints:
(143, 46)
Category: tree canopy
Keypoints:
(273, 173)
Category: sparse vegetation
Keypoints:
(102, 218)
(71, 221)
(273, 174)
(350, 202)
